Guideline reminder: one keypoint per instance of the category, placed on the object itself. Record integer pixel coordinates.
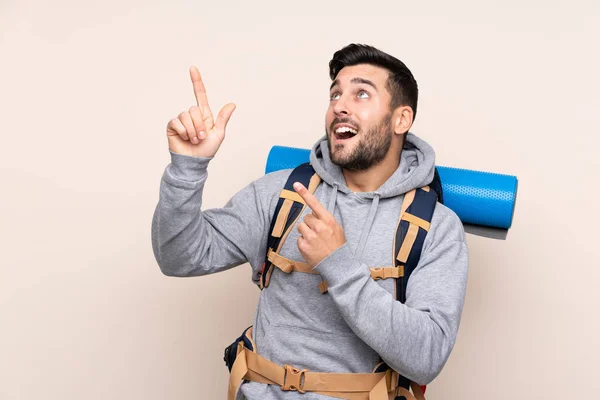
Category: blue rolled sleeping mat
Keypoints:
(483, 201)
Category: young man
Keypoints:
(367, 162)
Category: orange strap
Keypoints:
(282, 217)
(409, 241)
(387, 272)
(416, 221)
(323, 287)
(288, 194)
(287, 265)
(406, 202)
(250, 366)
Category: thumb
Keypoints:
(224, 115)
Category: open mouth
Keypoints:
(345, 133)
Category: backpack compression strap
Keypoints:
(288, 210)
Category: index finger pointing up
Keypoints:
(200, 93)
(311, 201)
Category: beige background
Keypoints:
(86, 93)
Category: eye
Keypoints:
(363, 94)
(334, 96)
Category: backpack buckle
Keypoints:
(293, 379)
(377, 273)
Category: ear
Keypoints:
(402, 119)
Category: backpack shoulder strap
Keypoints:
(436, 185)
(414, 222)
(288, 210)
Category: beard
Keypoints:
(371, 149)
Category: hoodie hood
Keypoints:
(416, 169)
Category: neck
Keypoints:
(372, 178)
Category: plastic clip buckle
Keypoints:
(293, 379)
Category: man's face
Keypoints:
(358, 122)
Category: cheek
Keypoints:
(329, 117)
(364, 113)
(369, 116)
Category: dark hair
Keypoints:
(401, 84)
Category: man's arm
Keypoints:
(414, 338)
(190, 242)
(185, 240)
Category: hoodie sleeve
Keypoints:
(190, 242)
(414, 338)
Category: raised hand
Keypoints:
(195, 132)
(320, 233)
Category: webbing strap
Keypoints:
(409, 197)
(323, 287)
(419, 395)
(355, 386)
(409, 241)
(406, 202)
(284, 213)
(387, 272)
(409, 396)
(287, 265)
(313, 183)
(288, 194)
(416, 220)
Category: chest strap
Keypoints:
(288, 266)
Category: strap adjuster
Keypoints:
(293, 379)
(387, 272)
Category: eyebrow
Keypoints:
(354, 80)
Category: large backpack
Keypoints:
(413, 224)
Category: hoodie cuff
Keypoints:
(188, 168)
(339, 265)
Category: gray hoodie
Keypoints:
(357, 323)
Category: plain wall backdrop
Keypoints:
(86, 91)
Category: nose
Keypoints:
(340, 107)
